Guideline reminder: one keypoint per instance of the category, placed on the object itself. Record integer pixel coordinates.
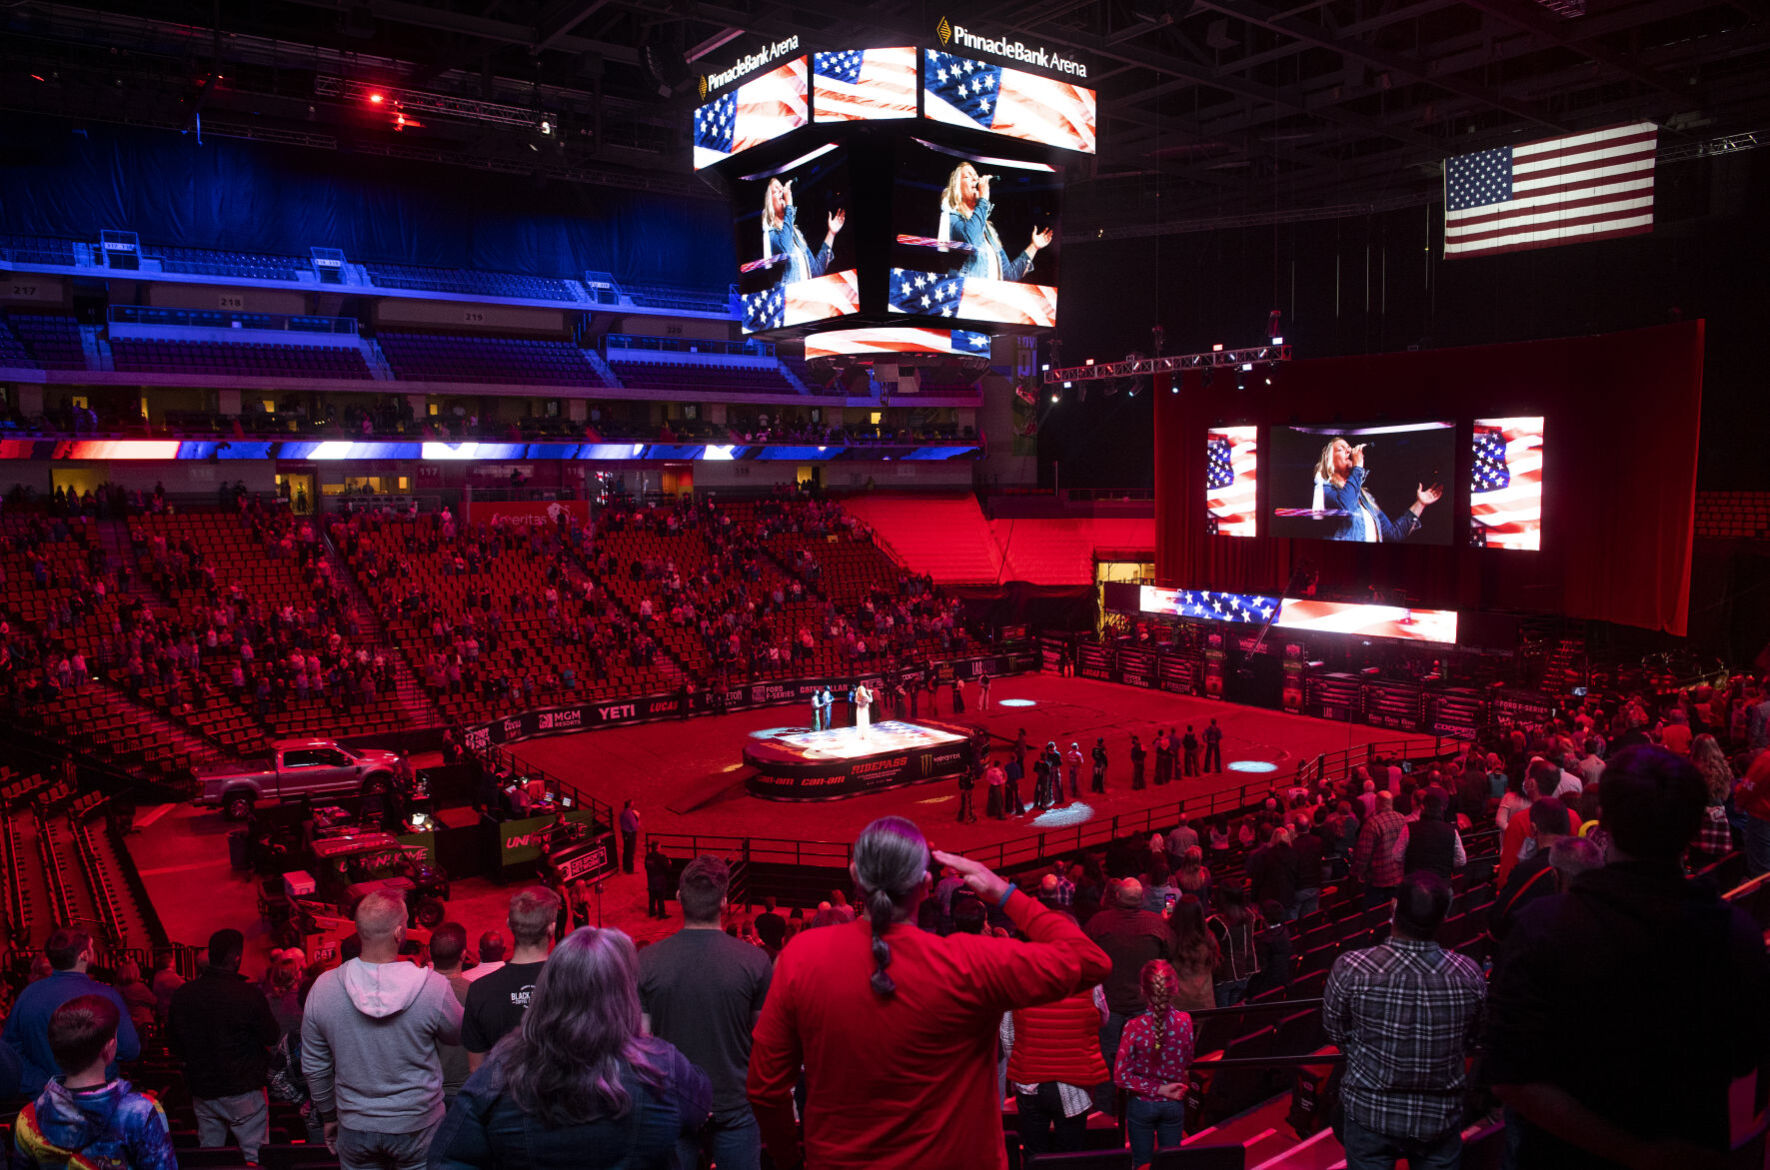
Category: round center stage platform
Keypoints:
(847, 761)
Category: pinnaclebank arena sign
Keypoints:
(1014, 50)
(749, 63)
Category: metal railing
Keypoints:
(500, 757)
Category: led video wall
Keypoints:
(860, 85)
(1303, 615)
(1232, 481)
(1506, 483)
(758, 111)
(795, 260)
(978, 236)
(897, 341)
(1375, 484)
(963, 91)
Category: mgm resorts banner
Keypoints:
(677, 705)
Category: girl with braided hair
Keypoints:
(1153, 1056)
(895, 1028)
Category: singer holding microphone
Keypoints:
(1339, 486)
(781, 235)
(964, 219)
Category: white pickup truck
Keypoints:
(300, 767)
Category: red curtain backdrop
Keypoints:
(1621, 415)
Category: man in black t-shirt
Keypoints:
(496, 1002)
(702, 991)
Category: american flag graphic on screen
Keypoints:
(753, 113)
(1368, 621)
(860, 84)
(1231, 477)
(1506, 483)
(835, 294)
(974, 298)
(1556, 191)
(962, 92)
(1208, 605)
(888, 340)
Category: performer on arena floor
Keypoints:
(1213, 747)
(1138, 755)
(1074, 760)
(1189, 748)
(863, 702)
(817, 711)
(1099, 784)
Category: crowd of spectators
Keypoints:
(911, 1014)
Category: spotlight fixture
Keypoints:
(377, 97)
(546, 126)
(1055, 399)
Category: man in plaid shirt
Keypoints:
(1374, 861)
(1406, 1014)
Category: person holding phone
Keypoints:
(1339, 486)
(965, 209)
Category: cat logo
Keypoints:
(944, 31)
(704, 82)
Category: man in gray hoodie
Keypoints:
(369, 1046)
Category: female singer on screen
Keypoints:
(1339, 485)
(781, 235)
(964, 218)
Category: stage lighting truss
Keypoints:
(413, 101)
(1236, 359)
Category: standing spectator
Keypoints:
(86, 1117)
(1053, 1054)
(924, 1010)
(657, 881)
(164, 982)
(491, 956)
(136, 994)
(69, 953)
(1194, 951)
(1406, 1012)
(629, 836)
(1635, 932)
(771, 928)
(1752, 798)
(369, 1046)
(1430, 842)
(1534, 877)
(222, 1028)
(1310, 847)
(578, 1084)
(1236, 926)
(1131, 936)
(702, 990)
(448, 946)
(1189, 752)
(1152, 1065)
(1179, 840)
(1272, 872)
(1213, 747)
(496, 1003)
(1374, 862)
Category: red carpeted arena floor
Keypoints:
(687, 778)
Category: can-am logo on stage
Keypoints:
(560, 720)
(749, 63)
(617, 711)
(958, 36)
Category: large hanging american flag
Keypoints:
(1231, 479)
(1557, 191)
(753, 113)
(963, 92)
(973, 298)
(863, 83)
(1506, 483)
(795, 302)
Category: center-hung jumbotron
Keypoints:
(797, 764)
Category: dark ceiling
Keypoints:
(1212, 112)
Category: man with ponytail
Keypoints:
(895, 1028)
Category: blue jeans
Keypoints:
(1106, 1094)
(1368, 1150)
(1152, 1123)
(361, 1149)
(1231, 992)
(734, 1141)
(1308, 901)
